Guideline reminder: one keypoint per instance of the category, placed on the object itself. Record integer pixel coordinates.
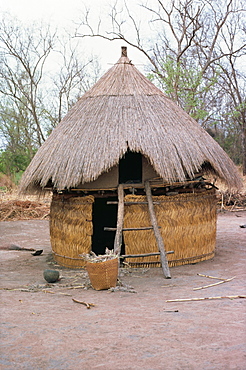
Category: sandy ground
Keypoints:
(42, 328)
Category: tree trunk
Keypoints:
(244, 148)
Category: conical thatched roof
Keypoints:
(122, 111)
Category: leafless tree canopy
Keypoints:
(195, 52)
(33, 98)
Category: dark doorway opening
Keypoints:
(104, 215)
(130, 168)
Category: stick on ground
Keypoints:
(88, 305)
(205, 298)
(211, 277)
(219, 282)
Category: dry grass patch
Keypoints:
(15, 207)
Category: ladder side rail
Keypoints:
(120, 217)
(159, 239)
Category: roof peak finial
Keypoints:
(123, 51)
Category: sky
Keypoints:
(66, 13)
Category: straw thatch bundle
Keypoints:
(188, 227)
(124, 110)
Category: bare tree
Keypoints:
(24, 52)
(74, 77)
(190, 43)
(33, 96)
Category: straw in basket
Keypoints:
(103, 275)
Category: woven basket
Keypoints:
(103, 275)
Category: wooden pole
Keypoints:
(164, 262)
(120, 217)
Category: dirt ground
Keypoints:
(42, 328)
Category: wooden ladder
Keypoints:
(119, 228)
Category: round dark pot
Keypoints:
(51, 276)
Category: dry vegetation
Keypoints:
(228, 201)
(15, 209)
(14, 206)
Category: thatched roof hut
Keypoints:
(125, 130)
(125, 111)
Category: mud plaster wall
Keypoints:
(110, 179)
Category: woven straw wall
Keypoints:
(71, 229)
(188, 227)
(187, 221)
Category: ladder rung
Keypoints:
(129, 228)
(129, 203)
(143, 255)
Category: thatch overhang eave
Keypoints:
(97, 132)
